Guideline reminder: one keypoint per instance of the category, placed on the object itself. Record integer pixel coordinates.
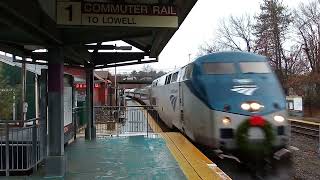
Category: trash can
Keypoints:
(82, 114)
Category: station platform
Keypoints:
(130, 157)
(156, 155)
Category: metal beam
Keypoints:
(86, 35)
(161, 38)
(99, 46)
(135, 82)
(29, 17)
(73, 55)
(78, 54)
(116, 57)
(145, 48)
(30, 62)
(101, 58)
(126, 64)
(14, 49)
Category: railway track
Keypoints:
(307, 128)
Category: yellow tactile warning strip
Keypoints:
(305, 122)
(186, 167)
(193, 163)
(203, 166)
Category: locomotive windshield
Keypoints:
(230, 68)
(219, 68)
(254, 67)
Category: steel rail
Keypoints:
(305, 127)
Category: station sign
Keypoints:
(84, 85)
(115, 13)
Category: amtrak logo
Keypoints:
(173, 100)
(247, 90)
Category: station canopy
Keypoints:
(81, 26)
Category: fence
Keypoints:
(126, 120)
(140, 95)
(21, 148)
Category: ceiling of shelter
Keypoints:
(30, 25)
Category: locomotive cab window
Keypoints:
(219, 68)
(174, 77)
(254, 67)
(188, 72)
(168, 79)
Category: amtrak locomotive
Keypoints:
(209, 99)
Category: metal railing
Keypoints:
(126, 120)
(21, 148)
(140, 95)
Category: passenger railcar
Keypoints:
(211, 97)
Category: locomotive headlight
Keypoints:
(245, 106)
(278, 118)
(226, 121)
(255, 106)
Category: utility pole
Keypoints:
(189, 57)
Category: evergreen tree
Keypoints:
(272, 24)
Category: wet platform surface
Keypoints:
(135, 154)
(132, 157)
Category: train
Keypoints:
(227, 101)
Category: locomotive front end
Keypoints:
(247, 103)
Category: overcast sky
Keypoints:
(199, 27)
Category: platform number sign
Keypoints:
(69, 13)
(115, 13)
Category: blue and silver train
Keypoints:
(210, 98)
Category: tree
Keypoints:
(6, 97)
(308, 26)
(146, 68)
(207, 48)
(134, 73)
(147, 72)
(308, 30)
(236, 33)
(271, 29)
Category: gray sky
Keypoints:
(199, 27)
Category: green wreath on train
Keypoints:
(242, 138)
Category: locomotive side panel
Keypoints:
(198, 121)
(158, 94)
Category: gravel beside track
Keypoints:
(306, 160)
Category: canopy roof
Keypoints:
(29, 25)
